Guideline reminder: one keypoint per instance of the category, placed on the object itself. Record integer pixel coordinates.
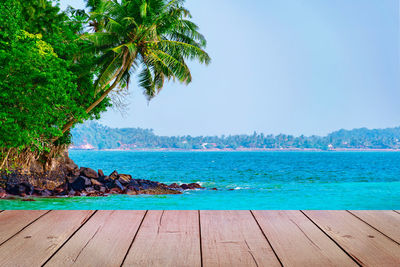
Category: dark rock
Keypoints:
(79, 184)
(100, 172)
(89, 173)
(114, 175)
(102, 189)
(231, 189)
(46, 193)
(174, 185)
(119, 185)
(71, 193)
(214, 188)
(184, 186)
(194, 186)
(124, 178)
(131, 192)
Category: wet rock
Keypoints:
(133, 182)
(214, 189)
(102, 189)
(184, 186)
(115, 190)
(79, 184)
(131, 192)
(174, 185)
(114, 175)
(100, 172)
(89, 173)
(119, 185)
(194, 186)
(124, 178)
(71, 193)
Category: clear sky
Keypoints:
(281, 66)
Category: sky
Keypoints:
(280, 66)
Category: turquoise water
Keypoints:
(262, 180)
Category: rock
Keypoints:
(102, 189)
(71, 193)
(89, 173)
(131, 192)
(79, 184)
(174, 185)
(194, 186)
(124, 178)
(115, 190)
(71, 167)
(114, 175)
(100, 172)
(214, 189)
(46, 193)
(184, 186)
(119, 185)
(3, 193)
(96, 182)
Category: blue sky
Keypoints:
(281, 66)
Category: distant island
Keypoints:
(92, 135)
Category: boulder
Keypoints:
(89, 173)
(124, 178)
(184, 186)
(194, 186)
(174, 185)
(119, 185)
(96, 182)
(114, 175)
(100, 172)
(46, 193)
(79, 184)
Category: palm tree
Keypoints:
(153, 38)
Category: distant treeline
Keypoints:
(97, 136)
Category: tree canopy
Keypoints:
(58, 68)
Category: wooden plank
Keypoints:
(365, 244)
(298, 242)
(385, 221)
(103, 241)
(37, 242)
(233, 238)
(167, 238)
(13, 221)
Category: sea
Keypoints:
(244, 180)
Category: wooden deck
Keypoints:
(200, 238)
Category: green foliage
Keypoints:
(152, 38)
(42, 84)
(102, 137)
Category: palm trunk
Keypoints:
(118, 76)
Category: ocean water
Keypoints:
(261, 180)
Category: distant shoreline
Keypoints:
(244, 150)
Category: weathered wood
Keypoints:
(167, 238)
(385, 221)
(37, 242)
(298, 242)
(103, 241)
(233, 238)
(13, 221)
(365, 244)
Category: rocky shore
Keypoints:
(75, 181)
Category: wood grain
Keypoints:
(298, 242)
(233, 238)
(37, 242)
(385, 221)
(103, 241)
(13, 221)
(167, 238)
(365, 244)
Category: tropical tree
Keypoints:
(151, 38)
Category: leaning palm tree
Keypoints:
(153, 38)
